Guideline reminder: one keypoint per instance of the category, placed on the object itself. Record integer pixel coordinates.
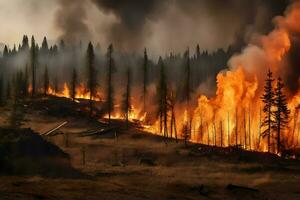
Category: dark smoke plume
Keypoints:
(132, 16)
(132, 29)
(70, 19)
(171, 24)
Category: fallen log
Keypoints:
(55, 129)
(235, 187)
(100, 131)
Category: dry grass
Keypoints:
(116, 172)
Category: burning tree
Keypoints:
(110, 90)
(91, 74)
(126, 105)
(162, 99)
(187, 91)
(268, 100)
(46, 81)
(281, 113)
(145, 78)
(73, 84)
(186, 129)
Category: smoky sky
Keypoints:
(70, 18)
(160, 25)
(172, 25)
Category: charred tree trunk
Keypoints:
(245, 129)
(228, 129)
(249, 128)
(236, 127)
(207, 134)
(221, 133)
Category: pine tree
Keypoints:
(162, 99)
(25, 43)
(186, 133)
(187, 94)
(126, 105)
(110, 90)
(198, 53)
(281, 113)
(145, 78)
(268, 100)
(5, 52)
(33, 60)
(74, 84)
(46, 81)
(45, 47)
(187, 78)
(91, 75)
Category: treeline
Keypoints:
(31, 70)
(61, 59)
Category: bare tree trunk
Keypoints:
(278, 137)
(294, 129)
(228, 129)
(259, 130)
(175, 129)
(221, 133)
(236, 127)
(171, 122)
(201, 129)
(297, 137)
(245, 128)
(215, 134)
(269, 129)
(249, 126)
(207, 134)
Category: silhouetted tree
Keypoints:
(187, 91)
(268, 100)
(145, 78)
(74, 84)
(281, 113)
(33, 61)
(162, 94)
(126, 104)
(198, 53)
(45, 47)
(91, 75)
(56, 85)
(5, 52)
(186, 133)
(46, 81)
(25, 43)
(110, 90)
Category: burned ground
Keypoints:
(133, 164)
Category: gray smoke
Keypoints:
(70, 19)
(170, 25)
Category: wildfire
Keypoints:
(81, 92)
(234, 116)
